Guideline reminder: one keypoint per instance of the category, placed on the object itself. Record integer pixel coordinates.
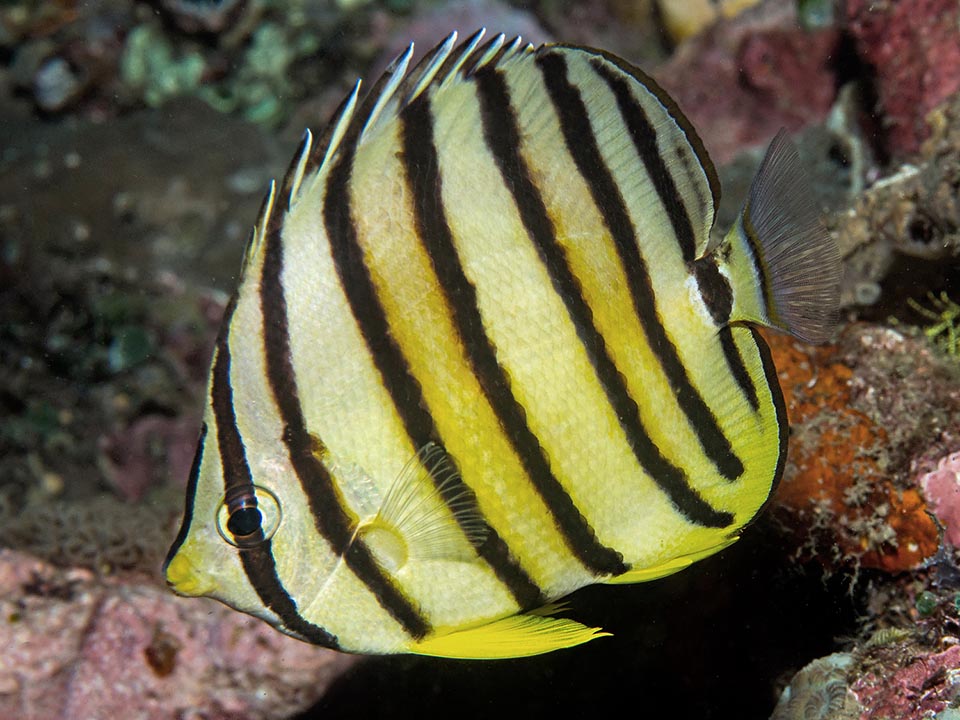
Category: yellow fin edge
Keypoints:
(511, 637)
(638, 575)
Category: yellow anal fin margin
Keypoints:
(638, 575)
(512, 637)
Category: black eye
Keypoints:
(245, 521)
(250, 518)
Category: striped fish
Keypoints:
(482, 354)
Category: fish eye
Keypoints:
(250, 519)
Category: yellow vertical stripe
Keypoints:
(420, 322)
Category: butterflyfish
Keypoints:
(483, 352)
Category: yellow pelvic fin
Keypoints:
(427, 514)
(639, 575)
(511, 637)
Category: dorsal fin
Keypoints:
(383, 91)
(294, 175)
(497, 50)
(456, 59)
(426, 70)
(510, 49)
(301, 165)
(330, 139)
(395, 89)
(483, 54)
(308, 160)
(259, 230)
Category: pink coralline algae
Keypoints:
(921, 688)
(914, 47)
(132, 454)
(941, 487)
(79, 647)
(745, 78)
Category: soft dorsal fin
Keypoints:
(425, 514)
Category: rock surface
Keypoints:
(79, 647)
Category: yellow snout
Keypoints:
(183, 578)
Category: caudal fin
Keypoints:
(783, 265)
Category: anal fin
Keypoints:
(511, 637)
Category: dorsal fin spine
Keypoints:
(483, 54)
(267, 211)
(302, 159)
(427, 69)
(384, 91)
(508, 51)
(259, 227)
(342, 123)
(456, 59)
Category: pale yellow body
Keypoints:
(363, 440)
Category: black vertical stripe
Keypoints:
(759, 264)
(501, 133)
(330, 519)
(715, 290)
(191, 497)
(394, 370)
(422, 172)
(644, 137)
(718, 297)
(780, 407)
(692, 169)
(673, 110)
(582, 145)
(737, 368)
(258, 561)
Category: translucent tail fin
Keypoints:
(783, 265)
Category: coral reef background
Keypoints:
(136, 139)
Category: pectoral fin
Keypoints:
(427, 514)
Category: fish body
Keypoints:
(482, 355)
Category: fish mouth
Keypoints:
(183, 578)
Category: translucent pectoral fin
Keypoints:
(427, 514)
(511, 637)
(646, 574)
